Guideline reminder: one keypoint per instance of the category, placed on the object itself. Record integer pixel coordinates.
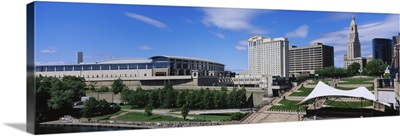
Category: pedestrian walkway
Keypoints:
(263, 115)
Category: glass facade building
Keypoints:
(382, 49)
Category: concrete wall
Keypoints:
(108, 96)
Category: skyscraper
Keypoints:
(353, 47)
(268, 56)
(382, 49)
(79, 58)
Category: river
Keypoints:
(74, 129)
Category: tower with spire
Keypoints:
(353, 47)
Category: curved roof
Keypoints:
(186, 58)
(323, 90)
(124, 60)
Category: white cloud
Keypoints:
(90, 57)
(232, 19)
(244, 42)
(48, 51)
(300, 32)
(241, 45)
(337, 16)
(219, 35)
(145, 47)
(50, 63)
(147, 20)
(240, 48)
(383, 29)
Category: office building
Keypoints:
(304, 60)
(382, 49)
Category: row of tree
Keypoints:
(375, 67)
(167, 97)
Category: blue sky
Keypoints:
(217, 34)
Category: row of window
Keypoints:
(101, 67)
(105, 76)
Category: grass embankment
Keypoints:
(287, 105)
(303, 92)
(314, 82)
(357, 81)
(340, 104)
(104, 117)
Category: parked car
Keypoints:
(78, 103)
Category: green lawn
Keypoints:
(287, 105)
(304, 92)
(371, 88)
(140, 117)
(340, 104)
(125, 106)
(357, 81)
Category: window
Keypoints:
(40, 69)
(105, 67)
(51, 68)
(59, 68)
(68, 68)
(86, 67)
(114, 67)
(132, 66)
(95, 67)
(149, 66)
(77, 68)
(142, 66)
(123, 66)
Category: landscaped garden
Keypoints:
(303, 91)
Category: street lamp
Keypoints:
(360, 71)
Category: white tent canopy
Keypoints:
(324, 90)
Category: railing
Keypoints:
(385, 83)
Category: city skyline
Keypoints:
(101, 31)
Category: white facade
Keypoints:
(268, 56)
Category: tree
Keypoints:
(117, 87)
(184, 111)
(375, 67)
(241, 97)
(224, 88)
(91, 107)
(148, 110)
(353, 68)
(181, 98)
(103, 89)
